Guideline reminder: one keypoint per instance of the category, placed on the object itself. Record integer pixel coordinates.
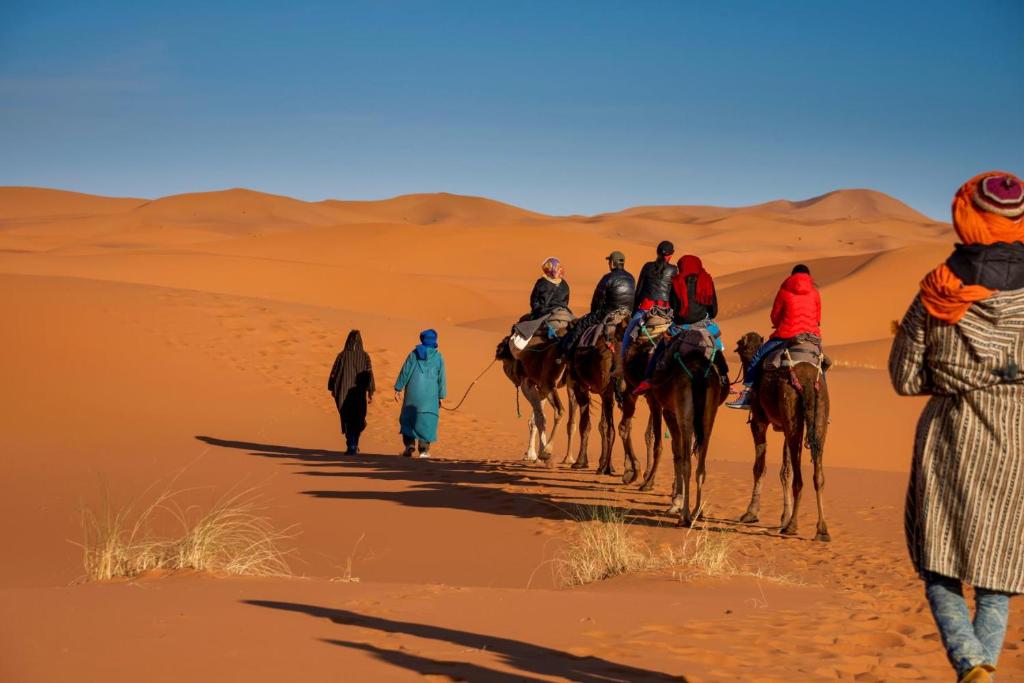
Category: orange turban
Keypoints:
(989, 208)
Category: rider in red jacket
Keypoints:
(797, 310)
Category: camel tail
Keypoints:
(570, 425)
(809, 399)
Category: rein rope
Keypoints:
(470, 388)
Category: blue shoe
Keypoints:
(742, 401)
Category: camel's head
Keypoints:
(748, 345)
(503, 352)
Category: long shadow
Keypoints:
(462, 485)
(525, 657)
(470, 485)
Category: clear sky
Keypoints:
(558, 106)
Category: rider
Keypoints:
(694, 302)
(613, 292)
(797, 310)
(653, 290)
(550, 292)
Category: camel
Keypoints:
(634, 371)
(537, 375)
(779, 404)
(590, 372)
(689, 388)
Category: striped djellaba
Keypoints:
(965, 503)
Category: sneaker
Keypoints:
(425, 454)
(742, 401)
(642, 388)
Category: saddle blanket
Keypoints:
(686, 342)
(603, 331)
(554, 325)
(801, 349)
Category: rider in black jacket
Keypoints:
(614, 291)
(653, 289)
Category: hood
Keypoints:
(424, 352)
(801, 283)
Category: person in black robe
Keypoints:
(352, 386)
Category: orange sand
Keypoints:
(189, 337)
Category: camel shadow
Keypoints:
(470, 485)
(527, 658)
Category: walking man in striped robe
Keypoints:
(962, 343)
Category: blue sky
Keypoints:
(561, 107)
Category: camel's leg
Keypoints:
(631, 467)
(545, 439)
(786, 477)
(817, 457)
(677, 462)
(654, 443)
(570, 425)
(607, 427)
(795, 447)
(708, 415)
(759, 430)
(537, 420)
(583, 402)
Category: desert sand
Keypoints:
(187, 340)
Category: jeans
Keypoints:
(752, 371)
(967, 644)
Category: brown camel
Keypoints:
(590, 372)
(779, 404)
(634, 371)
(537, 375)
(689, 388)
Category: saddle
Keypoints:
(686, 342)
(604, 331)
(804, 348)
(650, 329)
(552, 326)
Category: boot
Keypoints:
(979, 674)
(642, 388)
(742, 401)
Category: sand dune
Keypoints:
(188, 338)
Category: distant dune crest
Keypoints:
(227, 209)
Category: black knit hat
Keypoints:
(666, 248)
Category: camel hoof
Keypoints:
(674, 509)
(647, 486)
(824, 538)
(545, 456)
(749, 518)
(788, 531)
(684, 523)
(579, 465)
(629, 476)
(530, 458)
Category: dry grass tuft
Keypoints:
(605, 545)
(233, 537)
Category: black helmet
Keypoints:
(666, 248)
(800, 268)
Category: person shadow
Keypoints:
(529, 659)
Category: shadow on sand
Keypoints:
(472, 485)
(530, 660)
